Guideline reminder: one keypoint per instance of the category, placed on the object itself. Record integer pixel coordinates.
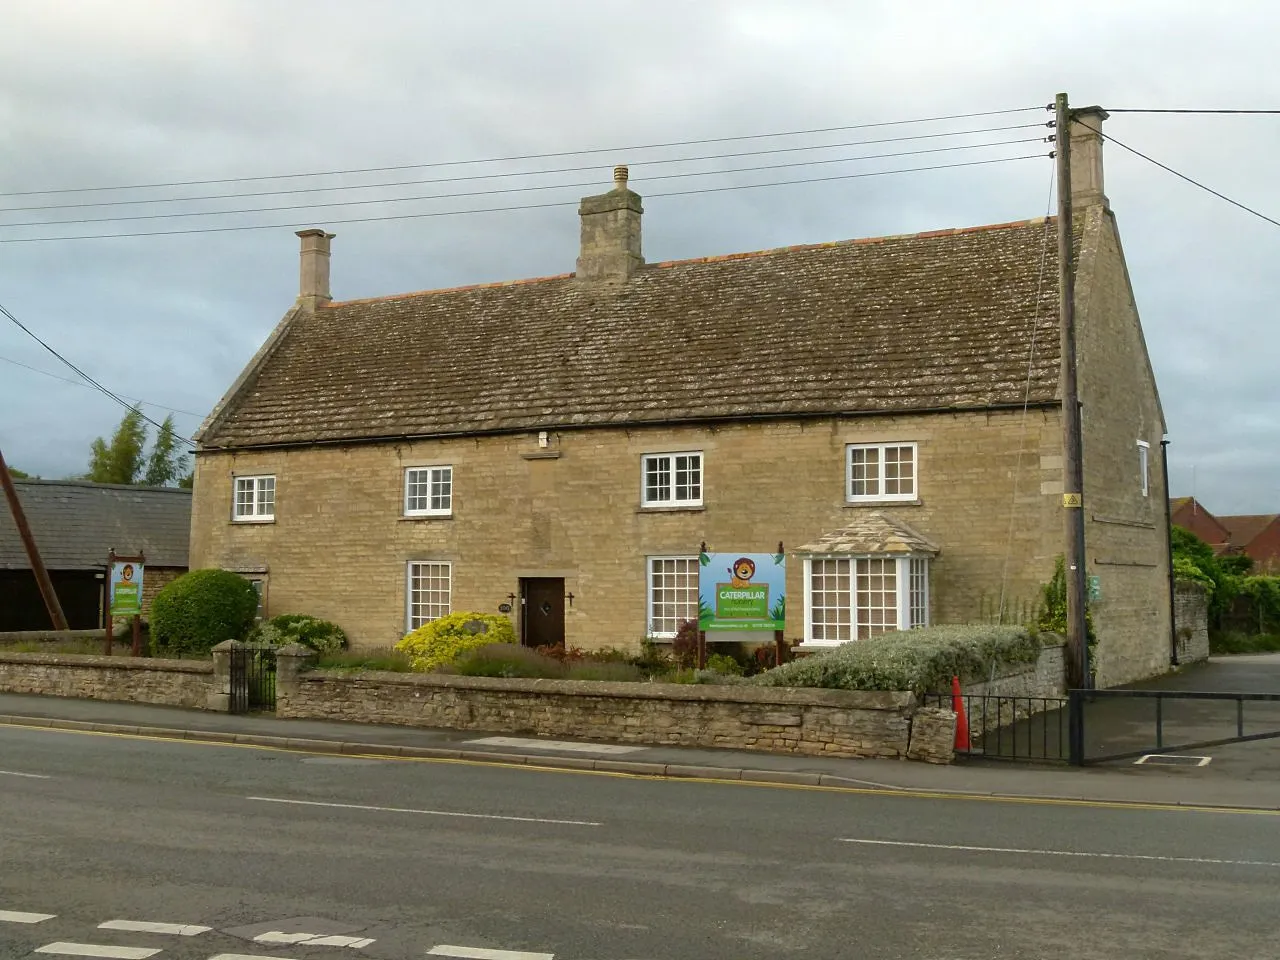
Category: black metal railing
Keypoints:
(253, 678)
(1118, 724)
(1027, 729)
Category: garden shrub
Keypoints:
(507, 660)
(365, 659)
(724, 665)
(446, 638)
(321, 636)
(200, 610)
(608, 670)
(684, 648)
(923, 661)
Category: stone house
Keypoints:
(76, 524)
(886, 408)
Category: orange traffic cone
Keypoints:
(962, 722)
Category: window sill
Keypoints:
(691, 508)
(417, 517)
(251, 521)
(854, 504)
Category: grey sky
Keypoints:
(121, 91)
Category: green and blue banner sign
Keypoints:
(742, 591)
(125, 587)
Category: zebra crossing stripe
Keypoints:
(143, 926)
(98, 950)
(15, 916)
(479, 953)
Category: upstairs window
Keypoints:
(876, 472)
(1144, 467)
(428, 491)
(255, 499)
(672, 479)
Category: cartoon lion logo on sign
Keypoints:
(743, 569)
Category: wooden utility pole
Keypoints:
(33, 553)
(1072, 469)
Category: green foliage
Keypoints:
(922, 660)
(443, 640)
(320, 635)
(609, 671)
(1262, 596)
(684, 648)
(384, 659)
(507, 660)
(167, 463)
(1237, 641)
(1193, 559)
(1237, 563)
(21, 474)
(121, 460)
(199, 610)
(724, 665)
(189, 481)
(1184, 568)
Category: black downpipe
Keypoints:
(1168, 539)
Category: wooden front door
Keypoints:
(541, 611)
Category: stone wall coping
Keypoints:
(50, 636)
(792, 696)
(155, 664)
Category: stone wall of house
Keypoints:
(813, 722)
(1191, 621)
(177, 683)
(339, 545)
(1126, 533)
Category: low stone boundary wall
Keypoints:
(48, 636)
(832, 723)
(1191, 621)
(175, 683)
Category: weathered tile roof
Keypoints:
(1244, 528)
(76, 523)
(935, 320)
(873, 532)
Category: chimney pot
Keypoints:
(610, 249)
(313, 272)
(1086, 156)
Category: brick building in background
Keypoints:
(886, 408)
(76, 524)
(1256, 535)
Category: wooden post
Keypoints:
(106, 605)
(1072, 467)
(702, 650)
(779, 647)
(47, 592)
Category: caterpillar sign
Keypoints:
(742, 591)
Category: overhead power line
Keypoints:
(520, 189)
(81, 383)
(1190, 180)
(502, 174)
(1181, 110)
(80, 373)
(525, 206)
(526, 156)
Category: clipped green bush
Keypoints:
(199, 610)
(724, 665)
(446, 638)
(507, 660)
(923, 661)
(321, 636)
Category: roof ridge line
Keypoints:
(464, 287)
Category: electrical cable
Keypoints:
(81, 383)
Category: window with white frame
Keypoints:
(428, 491)
(1144, 467)
(853, 598)
(255, 499)
(672, 594)
(880, 471)
(672, 479)
(429, 593)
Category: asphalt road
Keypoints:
(475, 859)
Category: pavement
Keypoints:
(139, 847)
(1241, 775)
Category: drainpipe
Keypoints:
(1168, 539)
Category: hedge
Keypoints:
(446, 638)
(922, 661)
(200, 609)
(321, 636)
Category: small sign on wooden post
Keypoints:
(124, 596)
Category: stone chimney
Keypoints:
(1086, 157)
(313, 274)
(611, 233)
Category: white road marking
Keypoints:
(14, 916)
(336, 941)
(29, 776)
(430, 813)
(1059, 853)
(98, 950)
(143, 926)
(313, 939)
(566, 746)
(477, 953)
(247, 956)
(275, 936)
(1157, 757)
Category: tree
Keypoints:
(189, 481)
(166, 464)
(121, 461)
(21, 474)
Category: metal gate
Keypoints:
(1026, 729)
(253, 677)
